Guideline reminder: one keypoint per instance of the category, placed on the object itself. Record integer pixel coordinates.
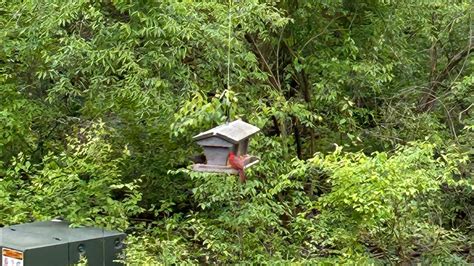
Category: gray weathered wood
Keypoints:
(214, 142)
(223, 168)
(242, 147)
(218, 142)
(216, 155)
(233, 132)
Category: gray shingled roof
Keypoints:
(233, 132)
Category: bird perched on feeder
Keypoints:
(238, 163)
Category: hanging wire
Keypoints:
(228, 44)
(226, 92)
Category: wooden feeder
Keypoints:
(219, 141)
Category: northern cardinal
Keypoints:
(238, 162)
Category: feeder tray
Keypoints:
(218, 142)
(224, 169)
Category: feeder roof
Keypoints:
(233, 132)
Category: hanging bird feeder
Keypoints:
(218, 142)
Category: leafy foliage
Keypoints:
(99, 101)
(389, 203)
(80, 185)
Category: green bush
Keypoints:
(81, 184)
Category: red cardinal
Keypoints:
(238, 164)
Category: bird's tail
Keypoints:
(242, 176)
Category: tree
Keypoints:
(99, 101)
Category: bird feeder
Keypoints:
(218, 142)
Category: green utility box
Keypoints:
(55, 243)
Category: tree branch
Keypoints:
(428, 101)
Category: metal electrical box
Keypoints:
(55, 243)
